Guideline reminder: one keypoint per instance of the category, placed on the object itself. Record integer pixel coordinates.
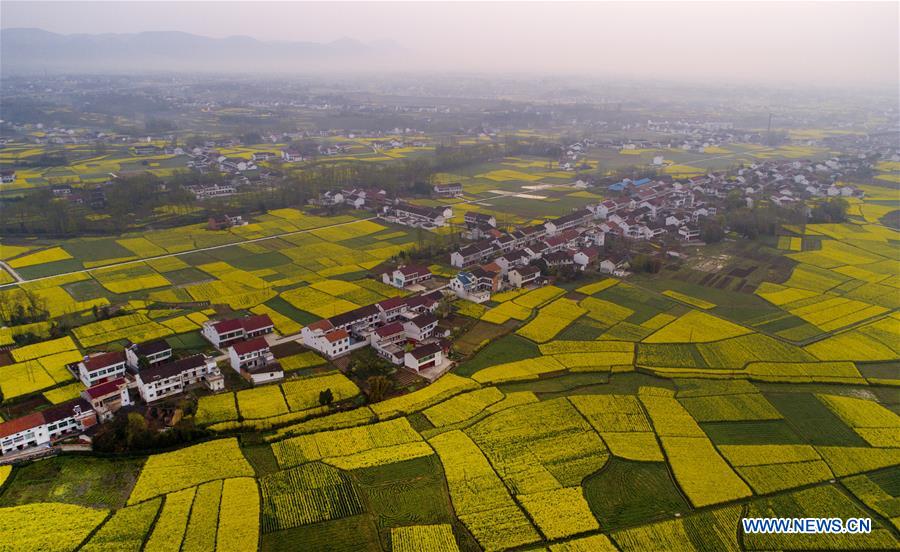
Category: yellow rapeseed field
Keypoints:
(187, 467)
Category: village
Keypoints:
(404, 331)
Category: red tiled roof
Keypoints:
(104, 389)
(392, 303)
(226, 326)
(336, 335)
(591, 252)
(21, 424)
(323, 325)
(425, 350)
(103, 360)
(412, 270)
(391, 329)
(255, 344)
(255, 323)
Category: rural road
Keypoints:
(14, 274)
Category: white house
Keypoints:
(172, 378)
(424, 356)
(408, 275)
(263, 155)
(108, 397)
(448, 190)
(471, 254)
(466, 286)
(325, 338)
(220, 334)
(101, 367)
(155, 351)
(291, 155)
(421, 327)
(523, 276)
(41, 428)
(388, 340)
(253, 352)
(586, 256)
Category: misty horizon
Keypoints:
(813, 44)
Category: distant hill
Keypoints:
(35, 50)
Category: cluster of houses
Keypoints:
(207, 158)
(148, 372)
(516, 259)
(402, 330)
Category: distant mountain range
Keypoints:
(35, 50)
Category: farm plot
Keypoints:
(304, 393)
(188, 467)
(621, 422)
(38, 367)
(712, 530)
(238, 529)
(538, 297)
(169, 527)
(136, 327)
(551, 320)
(699, 470)
(852, 460)
(872, 342)
(725, 408)
(261, 402)
(876, 424)
(874, 496)
(444, 388)
(605, 312)
(307, 494)
(200, 534)
(560, 513)
(413, 538)
(692, 301)
(135, 277)
(462, 407)
(530, 368)
(47, 526)
(504, 312)
(771, 468)
(216, 408)
(805, 372)
(50, 255)
(479, 497)
(540, 447)
(736, 352)
(317, 302)
(696, 327)
(344, 442)
(126, 529)
(597, 287)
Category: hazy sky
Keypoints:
(821, 42)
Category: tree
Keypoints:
(379, 387)
(143, 363)
(832, 211)
(712, 231)
(326, 397)
(135, 430)
(734, 200)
